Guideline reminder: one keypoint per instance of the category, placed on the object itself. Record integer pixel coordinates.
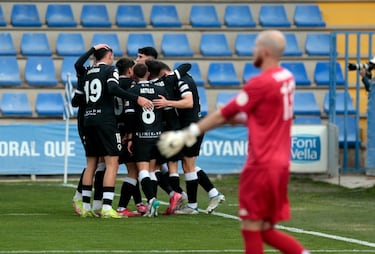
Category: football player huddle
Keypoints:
(123, 110)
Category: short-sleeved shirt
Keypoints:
(267, 99)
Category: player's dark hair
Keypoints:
(140, 70)
(148, 51)
(153, 68)
(124, 64)
(100, 53)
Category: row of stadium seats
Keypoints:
(171, 45)
(96, 15)
(52, 103)
(41, 72)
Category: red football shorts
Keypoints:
(263, 194)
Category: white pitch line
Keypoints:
(294, 230)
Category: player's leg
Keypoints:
(98, 186)
(191, 178)
(77, 198)
(87, 181)
(215, 197)
(109, 181)
(252, 236)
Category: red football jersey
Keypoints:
(267, 100)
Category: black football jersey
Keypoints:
(124, 109)
(148, 123)
(99, 101)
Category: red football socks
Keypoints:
(253, 241)
(281, 241)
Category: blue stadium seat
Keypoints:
(352, 127)
(317, 44)
(95, 15)
(25, 15)
(15, 104)
(308, 15)
(6, 45)
(49, 104)
(292, 46)
(165, 16)
(67, 66)
(238, 16)
(176, 45)
(204, 16)
(223, 97)
(301, 119)
(40, 71)
(222, 74)
(203, 100)
(35, 44)
(70, 44)
(273, 16)
(195, 72)
(299, 71)
(249, 71)
(110, 39)
(305, 104)
(138, 40)
(214, 45)
(60, 15)
(3, 21)
(130, 16)
(321, 74)
(340, 103)
(9, 71)
(244, 44)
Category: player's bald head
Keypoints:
(274, 41)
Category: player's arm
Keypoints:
(181, 70)
(186, 100)
(79, 64)
(78, 99)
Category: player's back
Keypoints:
(99, 102)
(149, 122)
(189, 115)
(270, 116)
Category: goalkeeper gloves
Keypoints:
(172, 142)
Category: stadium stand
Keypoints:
(195, 72)
(305, 104)
(244, 44)
(349, 126)
(308, 15)
(67, 67)
(249, 71)
(35, 44)
(7, 45)
(3, 21)
(95, 15)
(60, 15)
(130, 16)
(273, 15)
(9, 71)
(203, 100)
(40, 71)
(321, 73)
(109, 38)
(204, 16)
(317, 44)
(49, 104)
(299, 71)
(292, 47)
(214, 45)
(165, 16)
(15, 104)
(224, 97)
(341, 96)
(70, 44)
(25, 15)
(173, 45)
(301, 119)
(238, 16)
(138, 40)
(222, 74)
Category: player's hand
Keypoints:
(162, 102)
(171, 142)
(101, 46)
(145, 103)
